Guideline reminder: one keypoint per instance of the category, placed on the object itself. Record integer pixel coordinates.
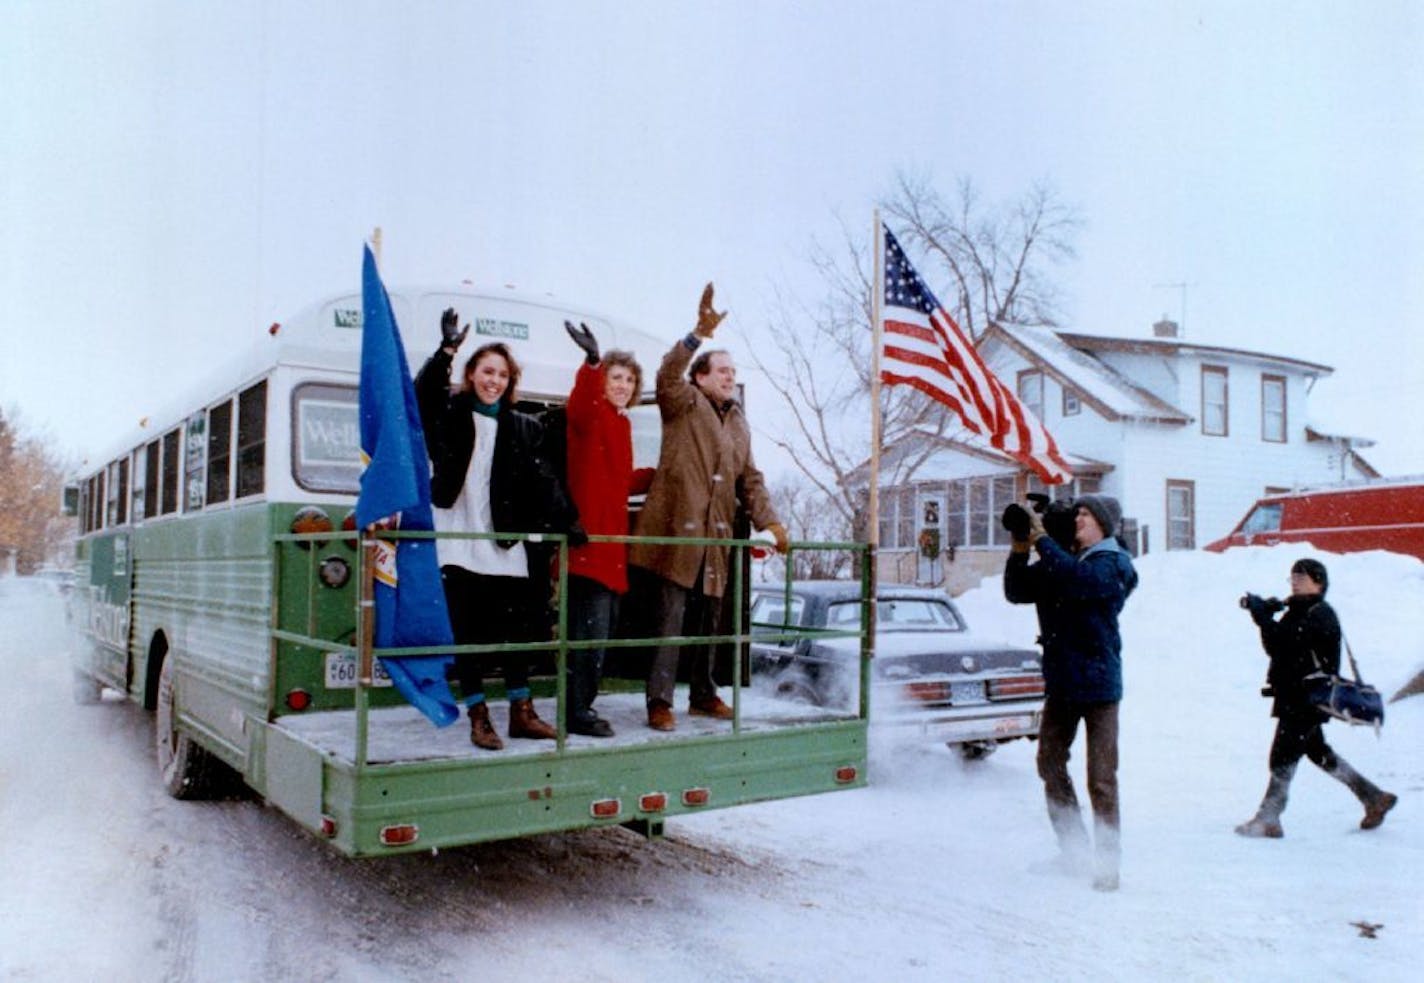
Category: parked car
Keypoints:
(1380, 515)
(930, 670)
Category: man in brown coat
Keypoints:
(704, 469)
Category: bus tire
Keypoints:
(85, 689)
(187, 770)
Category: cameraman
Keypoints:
(1079, 590)
(1305, 640)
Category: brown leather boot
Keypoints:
(524, 722)
(482, 732)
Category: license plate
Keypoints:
(341, 671)
(961, 693)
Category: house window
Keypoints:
(1071, 403)
(1031, 392)
(1181, 515)
(1214, 411)
(1273, 408)
(956, 503)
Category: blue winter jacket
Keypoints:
(1078, 601)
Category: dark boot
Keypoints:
(524, 722)
(1376, 808)
(482, 734)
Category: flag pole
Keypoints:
(872, 534)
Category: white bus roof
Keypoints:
(326, 336)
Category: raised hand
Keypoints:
(707, 318)
(584, 338)
(451, 334)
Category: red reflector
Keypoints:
(298, 699)
(653, 802)
(328, 827)
(696, 796)
(605, 808)
(399, 835)
(846, 774)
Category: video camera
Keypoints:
(1271, 605)
(1058, 519)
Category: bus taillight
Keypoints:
(401, 835)
(845, 774)
(652, 802)
(298, 699)
(308, 520)
(696, 796)
(605, 808)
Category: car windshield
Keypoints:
(898, 614)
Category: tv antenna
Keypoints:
(1181, 285)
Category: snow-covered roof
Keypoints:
(1104, 388)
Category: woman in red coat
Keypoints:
(600, 479)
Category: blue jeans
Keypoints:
(593, 614)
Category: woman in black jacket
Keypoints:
(1305, 640)
(490, 475)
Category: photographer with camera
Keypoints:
(1304, 641)
(1079, 588)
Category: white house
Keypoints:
(1186, 436)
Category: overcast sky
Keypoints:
(177, 176)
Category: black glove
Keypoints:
(584, 339)
(451, 334)
(1016, 520)
(577, 536)
(1261, 608)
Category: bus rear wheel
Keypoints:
(187, 770)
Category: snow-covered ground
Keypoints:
(928, 874)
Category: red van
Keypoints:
(1384, 514)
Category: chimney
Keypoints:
(1165, 328)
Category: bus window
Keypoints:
(146, 495)
(326, 443)
(169, 493)
(647, 429)
(219, 453)
(251, 437)
(195, 443)
(138, 503)
(118, 492)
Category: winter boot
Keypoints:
(1376, 808)
(1257, 826)
(524, 722)
(482, 734)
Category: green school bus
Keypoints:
(218, 580)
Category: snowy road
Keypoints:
(926, 875)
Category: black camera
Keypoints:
(1058, 518)
(1272, 605)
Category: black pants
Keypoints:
(485, 610)
(1302, 735)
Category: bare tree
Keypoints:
(997, 260)
(808, 518)
(30, 482)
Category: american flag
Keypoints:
(924, 348)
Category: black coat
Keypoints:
(525, 494)
(1306, 639)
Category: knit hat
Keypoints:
(1313, 569)
(1105, 509)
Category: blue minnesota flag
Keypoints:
(410, 602)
